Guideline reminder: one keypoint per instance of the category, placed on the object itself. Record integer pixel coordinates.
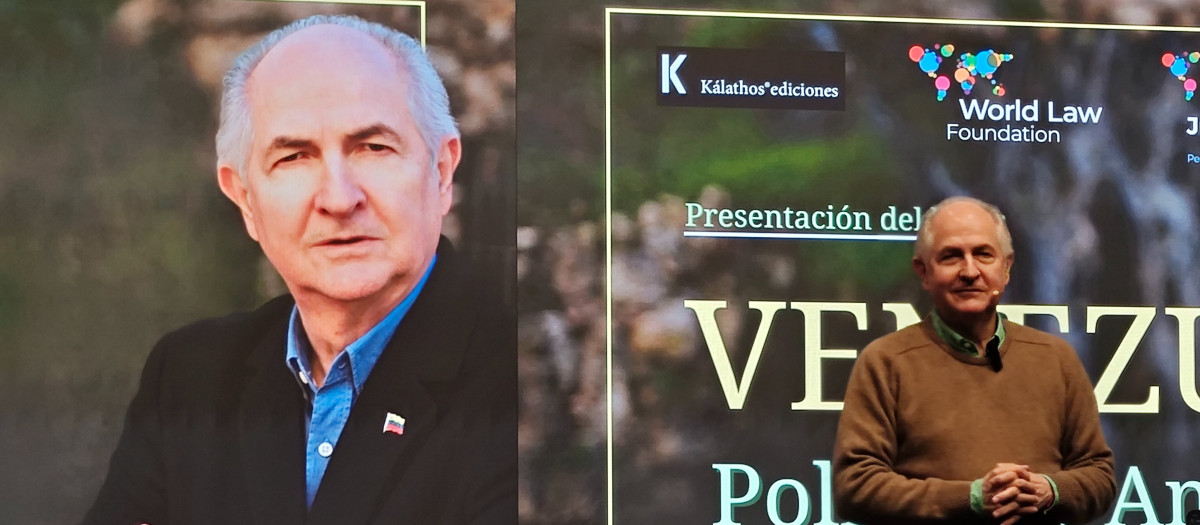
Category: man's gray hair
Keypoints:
(427, 100)
(921, 247)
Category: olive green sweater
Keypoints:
(922, 421)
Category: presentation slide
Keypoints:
(766, 175)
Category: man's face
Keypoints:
(340, 190)
(965, 269)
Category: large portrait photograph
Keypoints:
(256, 262)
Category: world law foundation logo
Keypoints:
(992, 118)
(1179, 65)
(969, 72)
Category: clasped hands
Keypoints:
(1011, 491)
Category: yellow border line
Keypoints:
(420, 4)
(608, 15)
(892, 19)
(608, 310)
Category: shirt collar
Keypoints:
(361, 354)
(962, 344)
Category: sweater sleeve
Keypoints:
(1086, 484)
(866, 486)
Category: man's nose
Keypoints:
(969, 271)
(339, 192)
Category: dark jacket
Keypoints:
(215, 433)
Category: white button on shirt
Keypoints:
(325, 449)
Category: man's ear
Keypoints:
(233, 187)
(449, 154)
(918, 266)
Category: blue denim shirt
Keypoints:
(329, 406)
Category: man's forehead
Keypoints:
(325, 78)
(964, 224)
(323, 53)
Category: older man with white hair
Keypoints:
(966, 417)
(381, 389)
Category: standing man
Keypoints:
(382, 388)
(966, 417)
